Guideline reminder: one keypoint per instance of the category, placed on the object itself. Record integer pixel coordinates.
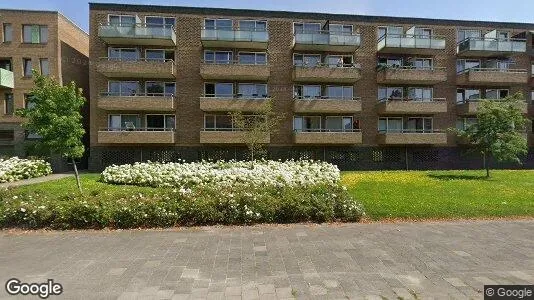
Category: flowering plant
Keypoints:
(15, 168)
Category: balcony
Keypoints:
(348, 73)
(410, 106)
(410, 44)
(326, 41)
(6, 79)
(234, 38)
(410, 75)
(232, 70)
(139, 68)
(135, 136)
(492, 77)
(227, 137)
(138, 102)
(487, 47)
(328, 136)
(232, 103)
(137, 34)
(470, 107)
(412, 137)
(327, 105)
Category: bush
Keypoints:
(171, 207)
(13, 169)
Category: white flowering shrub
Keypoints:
(225, 174)
(15, 168)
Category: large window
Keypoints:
(35, 34)
(464, 95)
(252, 58)
(159, 54)
(306, 60)
(124, 122)
(339, 123)
(252, 90)
(27, 67)
(6, 64)
(157, 22)
(217, 57)
(339, 60)
(390, 93)
(307, 27)
(389, 30)
(496, 94)
(468, 33)
(124, 54)
(44, 65)
(307, 91)
(307, 123)
(219, 24)
(252, 25)
(9, 106)
(7, 29)
(219, 90)
(420, 94)
(159, 88)
(466, 64)
(423, 32)
(465, 123)
(160, 122)
(339, 92)
(391, 61)
(418, 124)
(123, 88)
(340, 28)
(422, 63)
(121, 20)
(217, 122)
(390, 125)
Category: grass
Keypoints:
(442, 194)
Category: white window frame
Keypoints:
(120, 17)
(123, 48)
(340, 117)
(499, 93)
(320, 25)
(164, 50)
(304, 55)
(306, 116)
(236, 88)
(295, 96)
(162, 17)
(138, 115)
(342, 25)
(120, 93)
(387, 94)
(405, 119)
(215, 85)
(164, 123)
(255, 55)
(466, 29)
(342, 91)
(215, 19)
(387, 123)
(255, 24)
(421, 88)
(164, 83)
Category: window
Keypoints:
(342, 123)
(252, 58)
(219, 24)
(123, 88)
(28, 103)
(225, 90)
(339, 60)
(217, 122)
(7, 135)
(464, 34)
(420, 94)
(464, 95)
(158, 88)
(390, 61)
(160, 122)
(8, 32)
(418, 124)
(159, 55)
(423, 33)
(339, 92)
(35, 34)
(464, 123)
(390, 93)
(466, 64)
(496, 94)
(123, 54)
(503, 35)
(27, 67)
(252, 25)
(121, 20)
(307, 91)
(390, 125)
(124, 122)
(157, 22)
(9, 106)
(218, 57)
(307, 27)
(421, 63)
(389, 30)
(6, 64)
(340, 28)
(306, 60)
(307, 123)
(43, 64)
(252, 90)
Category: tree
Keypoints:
(256, 127)
(499, 131)
(54, 115)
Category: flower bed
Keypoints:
(225, 174)
(15, 168)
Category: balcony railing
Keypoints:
(385, 67)
(327, 98)
(494, 70)
(422, 131)
(169, 96)
(492, 45)
(233, 62)
(235, 96)
(136, 67)
(328, 130)
(325, 37)
(6, 79)
(229, 36)
(143, 32)
(411, 41)
(327, 65)
(416, 100)
(137, 59)
(137, 129)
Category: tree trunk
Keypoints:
(77, 175)
(486, 165)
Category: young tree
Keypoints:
(499, 130)
(256, 126)
(54, 114)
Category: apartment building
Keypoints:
(363, 92)
(45, 41)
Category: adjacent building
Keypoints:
(45, 41)
(363, 92)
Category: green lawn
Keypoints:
(442, 194)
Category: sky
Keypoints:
(484, 10)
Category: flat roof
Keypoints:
(304, 15)
(55, 12)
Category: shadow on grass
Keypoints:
(458, 177)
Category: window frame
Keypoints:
(342, 118)
(122, 81)
(255, 53)
(121, 128)
(308, 116)
(4, 31)
(41, 60)
(8, 100)
(40, 27)
(215, 88)
(164, 122)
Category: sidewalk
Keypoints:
(36, 180)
